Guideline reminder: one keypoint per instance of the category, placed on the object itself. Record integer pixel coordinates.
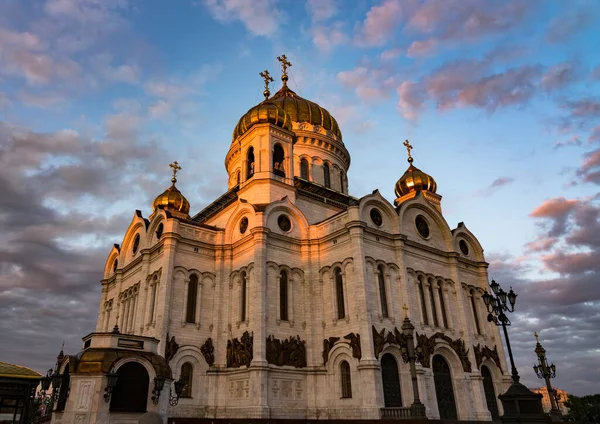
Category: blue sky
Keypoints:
(501, 101)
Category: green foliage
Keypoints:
(583, 410)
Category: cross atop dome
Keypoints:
(268, 78)
(284, 65)
(176, 168)
(408, 148)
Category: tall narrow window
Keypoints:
(433, 308)
(443, 306)
(243, 297)
(382, 295)
(192, 296)
(304, 169)
(326, 176)
(250, 163)
(278, 156)
(341, 181)
(339, 292)
(346, 379)
(474, 307)
(237, 178)
(152, 301)
(422, 298)
(283, 296)
(187, 373)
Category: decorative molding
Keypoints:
(240, 352)
(208, 351)
(291, 351)
(428, 345)
(482, 352)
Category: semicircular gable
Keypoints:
(232, 228)
(300, 225)
(114, 254)
(475, 249)
(389, 222)
(440, 235)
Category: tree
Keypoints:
(584, 410)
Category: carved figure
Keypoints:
(208, 351)
(240, 352)
(354, 344)
(427, 345)
(485, 352)
(327, 346)
(378, 341)
(171, 348)
(291, 351)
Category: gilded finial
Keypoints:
(284, 65)
(265, 75)
(537, 339)
(62, 348)
(405, 310)
(176, 168)
(408, 148)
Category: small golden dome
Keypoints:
(262, 113)
(171, 199)
(414, 180)
(301, 110)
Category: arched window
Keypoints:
(153, 291)
(444, 390)
(422, 298)
(346, 379)
(115, 265)
(382, 295)
(187, 374)
(243, 289)
(442, 306)
(304, 169)
(341, 181)
(192, 295)
(250, 163)
(339, 293)
(278, 156)
(390, 376)
(326, 175)
(475, 316)
(433, 308)
(237, 178)
(131, 392)
(283, 296)
(490, 393)
(159, 231)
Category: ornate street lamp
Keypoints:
(111, 383)
(159, 383)
(179, 385)
(417, 409)
(545, 371)
(520, 404)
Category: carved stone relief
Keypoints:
(208, 351)
(427, 345)
(482, 352)
(171, 348)
(354, 344)
(291, 351)
(327, 346)
(240, 352)
(380, 339)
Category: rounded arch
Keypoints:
(390, 376)
(300, 225)
(137, 227)
(463, 232)
(159, 217)
(110, 261)
(390, 216)
(490, 391)
(131, 391)
(418, 206)
(232, 229)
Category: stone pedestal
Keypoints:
(521, 405)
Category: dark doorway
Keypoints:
(443, 388)
(64, 390)
(391, 381)
(490, 394)
(278, 156)
(131, 392)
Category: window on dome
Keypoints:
(283, 296)
(341, 181)
(304, 169)
(326, 176)
(250, 163)
(192, 295)
(278, 156)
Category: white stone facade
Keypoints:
(382, 265)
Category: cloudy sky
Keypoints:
(501, 101)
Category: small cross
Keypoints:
(408, 148)
(537, 340)
(265, 75)
(405, 310)
(284, 65)
(176, 168)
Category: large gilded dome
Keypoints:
(265, 112)
(302, 110)
(415, 180)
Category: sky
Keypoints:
(501, 101)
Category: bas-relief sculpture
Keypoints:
(171, 348)
(427, 346)
(327, 346)
(208, 351)
(482, 352)
(380, 339)
(240, 352)
(292, 351)
(354, 344)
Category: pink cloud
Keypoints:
(411, 99)
(542, 244)
(572, 141)
(421, 48)
(557, 207)
(559, 76)
(390, 54)
(322, 10)
(380, 23)
(260, 17)
(325, 38)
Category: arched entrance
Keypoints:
(131, 392)
(490, 394)
(444, 391)
(391, 381)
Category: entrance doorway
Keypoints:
(391, 381)
(490, 394)
(444, 391)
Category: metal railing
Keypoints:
(403, 412)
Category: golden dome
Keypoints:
(265, 112)
(301, 110)
(171, 199)
(414, 180)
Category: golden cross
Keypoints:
(537, 340)
(408, 148)
(405, 310)
(284, 65)
(176, 168)
(265, 75)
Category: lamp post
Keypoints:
(519, 403)
(417, 409)
(159, 383)
(545, 371)
(179, 385)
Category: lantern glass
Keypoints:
(502, 296)
(111, 380)
(56, 380)
(487, 298)
(159, 383)
(495, 286)
(179, 385)
(512, 297)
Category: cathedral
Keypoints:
(287, 297)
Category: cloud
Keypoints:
(380, 23)
(421, 48)
(327, 37)
(390, 54)
(260, 17)
(559, 76)
(369, 82)
(502, 181)
(560, 29)
(572, 141)
(557, 210)
(322, 10)
(42, 100)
